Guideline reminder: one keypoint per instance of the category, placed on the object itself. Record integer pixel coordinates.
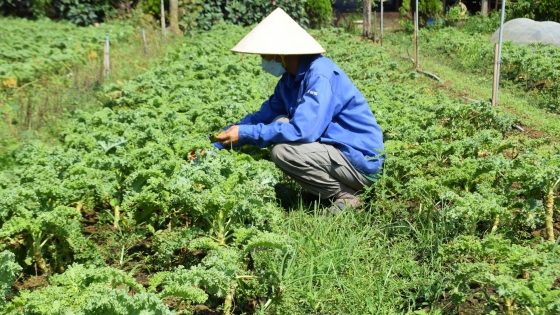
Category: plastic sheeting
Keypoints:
(527, 31)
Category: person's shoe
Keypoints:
(345, 198)
(335, 208)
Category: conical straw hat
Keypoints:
(278, 34)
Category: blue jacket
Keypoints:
(322, 105)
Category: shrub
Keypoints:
(549, 10)
(205, 14)
(153, 7)
(522, 9)
(319, 12)
(82, 13)
(479, 24)
(427, 8)
(545, 10)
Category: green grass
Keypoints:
(357, 263)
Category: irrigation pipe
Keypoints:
(518, 128)
(470, 99)
(406, 57)
(431, 75)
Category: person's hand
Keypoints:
(230, 137)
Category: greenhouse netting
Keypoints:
(527, 31)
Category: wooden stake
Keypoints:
(163, 19)
(381, 24)
(499, 50)
(144, 40)
(107, 62)
(416, 54)
(495, 82)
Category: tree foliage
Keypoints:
(319, 12)
(198, 14)
(544, 10)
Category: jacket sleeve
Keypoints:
(270, 109)
(310, 119)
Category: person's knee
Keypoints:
(280, 154)
(282, 118)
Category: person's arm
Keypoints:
(270, 109)
(312, 116)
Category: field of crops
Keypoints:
(29, 50)
(135, 212)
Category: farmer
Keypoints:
(323, 132)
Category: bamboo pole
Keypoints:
(163, 19)
(144, 41)
(107, 62)
(502, 13)
(496, 69)
(416, 53)
(381, 24)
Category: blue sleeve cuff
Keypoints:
(218, 145)
(246, 134)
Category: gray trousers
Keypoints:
(320, 169)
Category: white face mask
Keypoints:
(273, 67)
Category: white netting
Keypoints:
(527, 31)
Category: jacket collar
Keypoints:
(305, 62)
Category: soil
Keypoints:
(204, 310)
(142, 277)
(482, 300)
(533, 133)
(541, 232)
(32, 283)
(89, 220)
(528, 131)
